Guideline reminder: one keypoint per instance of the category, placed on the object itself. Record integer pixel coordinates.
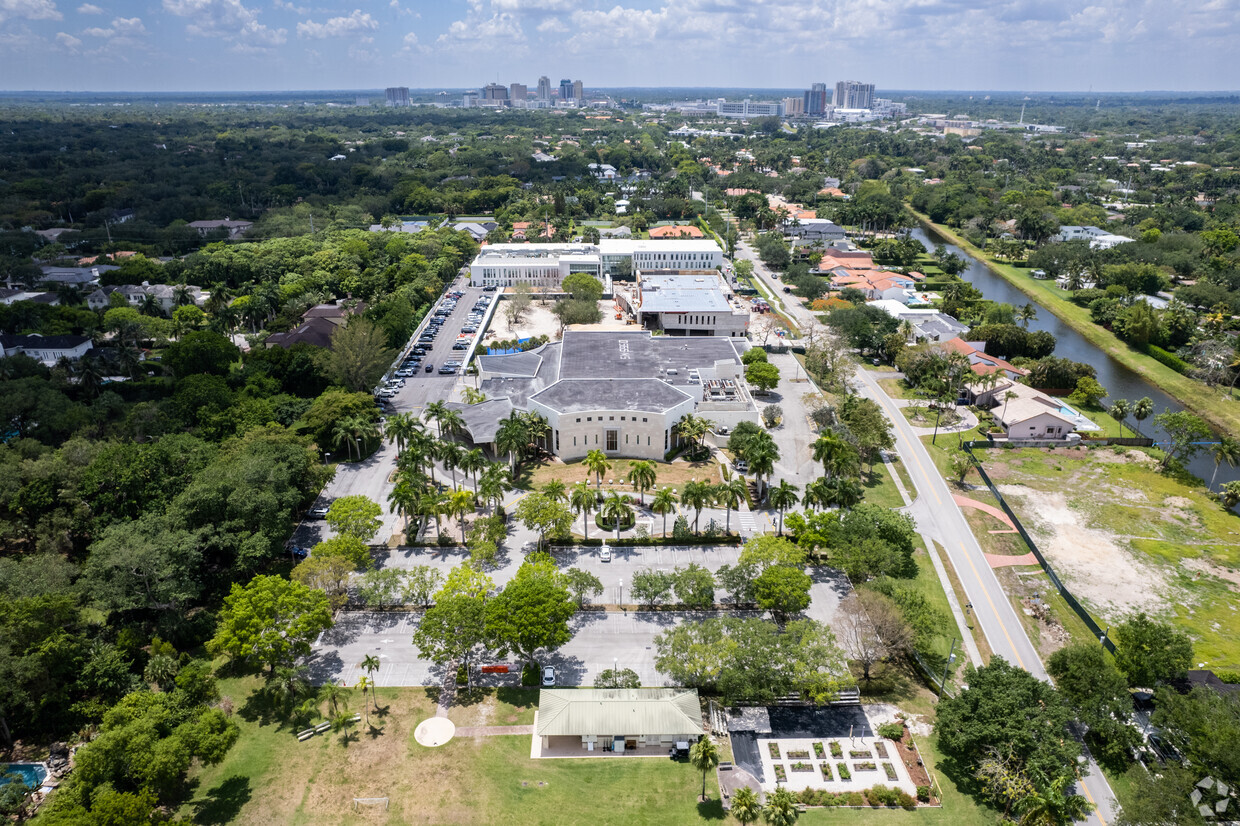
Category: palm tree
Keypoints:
(704, 755)
(555, 491)
(371, 664)
(537, 429)
(832, 451)
(762, 455)
(1053, 805)
(434, 504)
(696, 495)
(1119, 412)
(1007, 397)
(820, 493)
(511, 438)
(664, 502)
(1026, 314)
(474, 462)
(1142, 409)
(451, 422)
(581, 499)
(1229, 494)
(404, 498)
(596, 463)
(450, 454)
(616, 510)
(745, 806)
(1227, 450)
(434, 411)
(729, 493)
(781, 808)
(342, 432)
(335, 696)
(783, 495)
(364, 683)
(398, 429)
(287, 683)
(459, 504)
(643, 476)
(495, 482)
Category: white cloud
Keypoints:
(552, 24)
(228, 20)
(356, 23)
(89, 8)
(499, 28)
(68, 42)
(126, 27)
(29, 9)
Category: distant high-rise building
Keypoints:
(794, 107)
(852, 94)
(814, 102)
(566, 89)
(494, 91)
(544, 88)
(579, 91)
(398, 96)
(518, 92)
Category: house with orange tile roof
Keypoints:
(979, 361)
(675, 231)
(735, 192)
(521, 231)
(837, 259)
(833, 192)
(875, 284)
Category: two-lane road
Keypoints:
(939, 517)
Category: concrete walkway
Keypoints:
(966, 502)
(492, 731)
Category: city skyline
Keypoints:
(247, 45)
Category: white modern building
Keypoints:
(685, 305)
(547, 265)
(1099, 239)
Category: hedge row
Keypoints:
(1171, 360)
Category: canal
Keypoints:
(1120, 382)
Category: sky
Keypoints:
(252, 45)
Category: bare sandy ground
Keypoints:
(1094, 567)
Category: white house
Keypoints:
(47, 349)
(1098, 239)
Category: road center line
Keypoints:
(1002, 625)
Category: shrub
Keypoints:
(773, 748)
(905, 801)
(891, 731)
(1171, 360)
(819, 751)
(836, 751)
(529, 675)
(891, 771)
(842, 768)
(880, 795)
(923, 794)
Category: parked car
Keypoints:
(430, 368)
(605, 554)
(299, 552)
(548, 678)
(317, 512)
(740, 465)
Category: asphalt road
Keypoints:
(938, 516)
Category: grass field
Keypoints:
(673, 475)
(1208, 402)
(1126, 537)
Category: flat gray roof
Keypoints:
(578, 395)
(684, 301)
(482, 420)
(592, 354)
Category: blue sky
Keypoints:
(191, 45)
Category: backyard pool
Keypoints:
(31, 774)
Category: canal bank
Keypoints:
(1120, 381)
(1207, 402)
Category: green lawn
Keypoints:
(1210, 403)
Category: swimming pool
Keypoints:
(31, 774)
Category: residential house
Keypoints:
(409, 227)
(46, 349)
(478, 231)
(675, 231)
(617, 720)
(615, 232)
(72, 276)
(317, 325)
(815, 229)
(1025, 413)
(524, 230)
(1098, 239)
(981, 363)
(235, 229)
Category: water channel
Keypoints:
(1119, 381)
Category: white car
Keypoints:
(548, 676)
(605, 554)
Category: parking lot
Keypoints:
(449, 319)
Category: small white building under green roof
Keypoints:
(618, 719)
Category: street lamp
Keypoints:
(621, 594)
(326, 457)
(615, 672)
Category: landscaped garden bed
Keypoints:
(865, 766)
(836, 751)
(842, 768)
(780, 775)
(880, 748)
(773, 748)
(802, 767)
(891, 771)
(819, 751)
(826, 771)
(798, 754)
(860, 754)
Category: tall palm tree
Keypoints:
(474, 462)
(832, 452)
(451, 454)
(495, 482)
(1227, 450)
(335, 696)
(819, 493)
(342, 432)
(596, 463)
(434, 411)
(433, 504)
(745, 807)
(696, 495)
(704, 755)
(365, 684)
(511, 438)
(555, 491)
(371, 664)
(781, 496)
(1026, 314)
(1119, 412)
(537, 429)
(1141, 410)
(451, 422)
(643, 476)
(762, 455)
(460, 504)
(847, 493)
(616, 510)
(1007, 397)
(404, 498)
(664, 502)
(398, 429)
(729, 493)
(581, 499)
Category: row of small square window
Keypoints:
(611, 418)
